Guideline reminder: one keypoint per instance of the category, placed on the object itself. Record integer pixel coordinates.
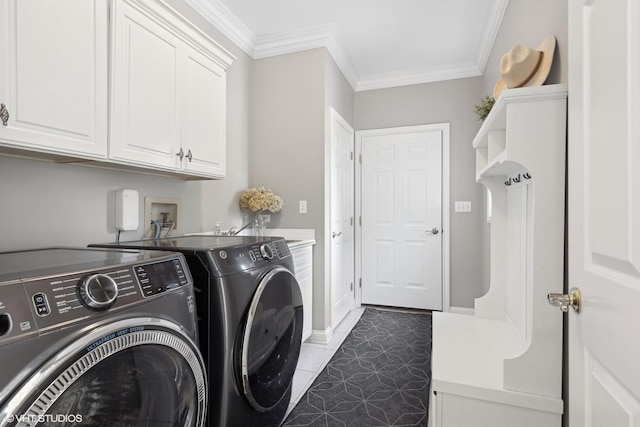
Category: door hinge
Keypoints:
(360, 283)
(360, 158)
(351, 220)
(360, 220)
(351, 286)
(351, 155)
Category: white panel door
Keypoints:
(604, 212)
(401, 179)
(145, 111)
(204, 116)
(342, 212)
(53, 75)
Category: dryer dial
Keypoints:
(98, 291)
(266, 251)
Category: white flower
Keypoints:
(260, 200)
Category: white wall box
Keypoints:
(502, 366)
(168, 92)
(54, 77)
(302, 254)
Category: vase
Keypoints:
(259, 225)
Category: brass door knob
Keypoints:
(564, 301)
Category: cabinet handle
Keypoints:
(4, 114)
(180, 154)
(189, 156)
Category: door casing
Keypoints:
(444, 128)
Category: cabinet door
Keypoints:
(303, 264)
(53, 76)
(204, 118)
(145, 109)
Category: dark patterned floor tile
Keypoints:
(379, 377)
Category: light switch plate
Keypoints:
(463, 206)
(303, 207)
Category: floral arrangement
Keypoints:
(260, 200)
(485, 106)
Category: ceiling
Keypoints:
(375, 43)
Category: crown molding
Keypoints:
(323, 36)
(218, 14)
(326, 36)
(493, 26)
(414, 77)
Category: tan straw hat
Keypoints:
(523, 66)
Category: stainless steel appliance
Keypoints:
(250, 322)
(99, 337)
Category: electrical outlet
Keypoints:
(303, 207)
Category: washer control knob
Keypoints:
(266, 251)
(98, 291)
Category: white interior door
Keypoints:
(604, 209)
(401, 197)
(342, 213)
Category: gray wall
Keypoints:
(279, 104)
(529, 22)
(442, 102)
(44, 204)
(526, 22)
(291, 94)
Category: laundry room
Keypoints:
(190, 105)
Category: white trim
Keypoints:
(412, 77)
(184, 29)
(319, 336)
(493, 25)
(218, 14)
(462, 310)
(324, 36)
(333, 116)
(446, 220)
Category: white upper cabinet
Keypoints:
(53, 76)
(204, 122)
(168, 93)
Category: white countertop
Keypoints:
(295, 237)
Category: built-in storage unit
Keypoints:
(502, 366)
(168, 91)
(302, 253)
(54, 77)
(130, 84)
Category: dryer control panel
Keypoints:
(236, 259)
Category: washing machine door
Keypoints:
(272, 339)
(139, 371)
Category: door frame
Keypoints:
(333, 115)
(442, 127)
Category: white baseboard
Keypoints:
(462, 310)
(320, 336)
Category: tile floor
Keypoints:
(314, 357)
